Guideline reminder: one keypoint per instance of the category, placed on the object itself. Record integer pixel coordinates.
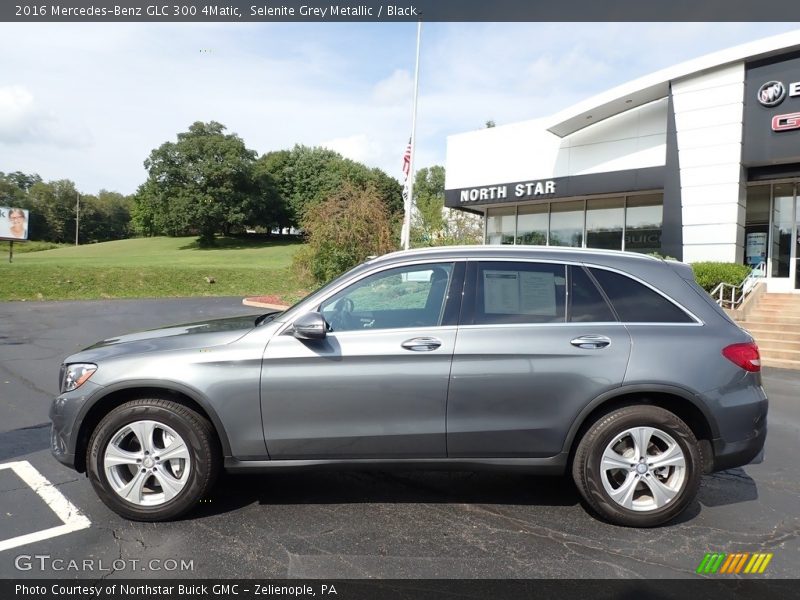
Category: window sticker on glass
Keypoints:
(538, 293)
(501, 292)
(519, 292)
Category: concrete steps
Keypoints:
(775, 324)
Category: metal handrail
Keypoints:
(739, 292)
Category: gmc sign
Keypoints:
(786, 122)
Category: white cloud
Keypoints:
(89, 103)
(17, 115)
(355, 147)
(23, 122)
(398, 88)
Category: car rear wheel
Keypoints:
(638, 466)
(152, 460)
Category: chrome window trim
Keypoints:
(361, 332)
(695, 318)
(378, 269)
(582, 324)
(439, 260)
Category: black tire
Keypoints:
(203, 451)
(588, 474)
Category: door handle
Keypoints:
(421, 344)
(591, 342)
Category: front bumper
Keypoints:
(58, 448)
(65, 413)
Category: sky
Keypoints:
(90, 101)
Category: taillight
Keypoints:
(744, 355)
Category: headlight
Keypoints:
(76, 375)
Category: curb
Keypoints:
(259, 304)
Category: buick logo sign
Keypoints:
(771, 93)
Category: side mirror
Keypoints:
(310, 326)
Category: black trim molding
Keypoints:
(672, 219)
(613, 182)
(770, 172)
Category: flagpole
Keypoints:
(409, 200)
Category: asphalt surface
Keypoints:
(353, 524)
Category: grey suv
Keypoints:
(615, 367)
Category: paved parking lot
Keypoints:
(350, 524)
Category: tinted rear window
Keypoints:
(586, 303)
(637, 303)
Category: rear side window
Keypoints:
(518, 292)
(586, 303)
(637, 303)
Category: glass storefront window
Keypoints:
(604, 220)
(782, 222)
(566, 224)
(594, 223)
(500, 225)
(756, 225)
(643, 216)
(532, 224)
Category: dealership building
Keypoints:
(700, 161)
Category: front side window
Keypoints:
(637, 303)
(412, 296)
(518, 292)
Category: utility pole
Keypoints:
(77, 215)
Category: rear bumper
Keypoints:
(740, 410)
(728, 455)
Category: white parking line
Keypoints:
(73, 519)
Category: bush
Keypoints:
(24, 247)
(710, 274)
(342, 231)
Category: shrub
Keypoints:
(342, 231)
(710, 274)
(24, 247)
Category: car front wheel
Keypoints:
(152, 460)
(638, 466)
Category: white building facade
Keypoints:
(700, 161)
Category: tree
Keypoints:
(52, 210)
(14, 188)
(205, 183)
(429, 201)
(343, 230)
(304, 176)
(435, 225)
(463, 227)
(105, 217)
(10, 193)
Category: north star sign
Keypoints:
(499, 192)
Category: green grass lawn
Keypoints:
(151, 268)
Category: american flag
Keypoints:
(407, 159)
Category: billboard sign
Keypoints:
(13, 223)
